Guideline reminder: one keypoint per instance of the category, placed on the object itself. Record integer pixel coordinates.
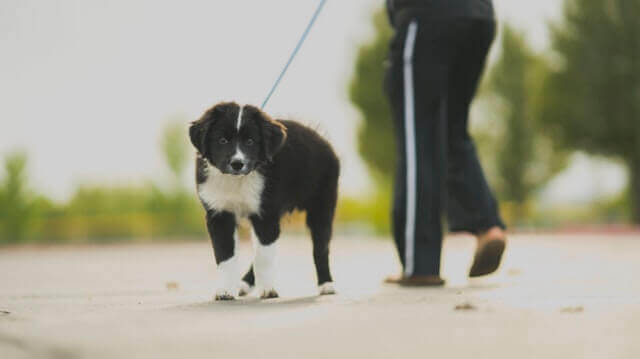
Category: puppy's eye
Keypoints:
(223, 141)
(249, 142)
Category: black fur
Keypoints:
(300, 171)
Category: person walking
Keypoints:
(436, 58)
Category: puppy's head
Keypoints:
(237, 139)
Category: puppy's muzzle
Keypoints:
(238, 167)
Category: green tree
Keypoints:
(376, 142)
(592, 101)
(17, 211)
(524, 159)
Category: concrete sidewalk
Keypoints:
(554, 297)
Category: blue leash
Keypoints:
(295, 52)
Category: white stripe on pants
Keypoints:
(410, 144)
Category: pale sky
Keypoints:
(87, 86)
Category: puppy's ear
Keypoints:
(274, 134)
(200, 128)
(198, 134)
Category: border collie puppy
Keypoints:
(251, 166)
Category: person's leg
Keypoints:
(471, 205)
(393, 88)
(416, 84)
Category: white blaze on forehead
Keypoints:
(239, 122)
(239, 155)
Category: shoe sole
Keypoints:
(488, 258)
(405, 282)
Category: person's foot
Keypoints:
(491, 245)
(416, 281)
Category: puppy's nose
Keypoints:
(237, 165)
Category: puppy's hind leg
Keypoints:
(320, 222)
(265, 234)
(320, 228)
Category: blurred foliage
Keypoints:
(18, 206)
(609, 213)
(175, 148)
(592, 98)
(376, 142)
(365, 215)
(524, 160)
(99, 212)
(144, 212)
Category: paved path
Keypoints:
(554, 297)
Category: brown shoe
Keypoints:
(416, 281)
(491, 245)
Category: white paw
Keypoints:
(225, 294)
(245, 289)
(326, 288)
(268, 293)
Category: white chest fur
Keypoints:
(237, 194)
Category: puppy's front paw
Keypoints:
(326, 288)
(223, 294)
(268, 294)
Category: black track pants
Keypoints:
(433, 73)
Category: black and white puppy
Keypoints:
(251, 166)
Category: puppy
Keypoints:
(251, 166)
